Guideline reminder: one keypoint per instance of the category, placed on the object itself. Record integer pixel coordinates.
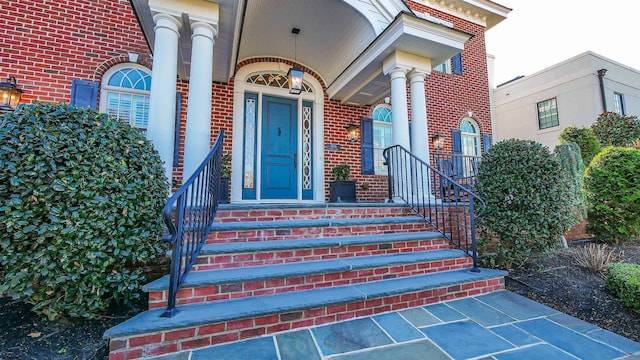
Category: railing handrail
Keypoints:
(189, 205)
(436, 179)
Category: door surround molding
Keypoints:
(237, 146)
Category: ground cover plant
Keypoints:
(81, 196)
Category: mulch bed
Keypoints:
(554, 280)
(557, 281)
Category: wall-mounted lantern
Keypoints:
(9, 94)
(438, 141)
(295, 74)
(352, 132)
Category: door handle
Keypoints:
(295, 161)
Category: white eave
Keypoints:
(363, 82)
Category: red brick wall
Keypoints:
(450, 97)
(46, 46)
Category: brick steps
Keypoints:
(261, 212)
(256, 253)
(296, 229)
(224, 284)
(201, 325)
(272, 268)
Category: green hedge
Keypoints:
(623, 280)
(612, 188)
(81, 198)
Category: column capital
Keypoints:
(167, 21)
(416, 76)
(200, 28)
(398, 72)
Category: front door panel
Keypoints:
(279, 147)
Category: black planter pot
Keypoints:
(223, 197)
(342, 191)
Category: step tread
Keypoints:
(258, 246)
(207, 313)
(306, 223)
(265, 272)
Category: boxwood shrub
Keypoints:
(612, 188)
(528, 199)
(623, 280)
(81, 196)
(613, 129)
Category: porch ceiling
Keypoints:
(363, 81)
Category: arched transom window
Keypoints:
(381, 136)
(470, 137)
(125, 94)
(275, 80)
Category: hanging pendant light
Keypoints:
(295, 74)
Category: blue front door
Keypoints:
(279, 148)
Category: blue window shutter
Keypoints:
(457, 64)
(486, 142)
(456, 142)
(84, 93)
(176, 134)
(366, 141)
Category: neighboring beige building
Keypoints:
(539, 106)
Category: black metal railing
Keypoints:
(448, 205)
(462, 168)
(189, 214)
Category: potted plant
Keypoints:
(225, 179)
(342, 189)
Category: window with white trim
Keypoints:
(548, 114)
(445, 67)
(381, 136)
(125, 90)
(618, 103)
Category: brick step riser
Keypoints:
(273, 257)
(223, 216)
(172, 341)
(158, 299)
(226, 236)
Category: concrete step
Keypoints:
(255, 253)
(225, 284)
(313, 228)
(206, 324)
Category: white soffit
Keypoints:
(363, 82)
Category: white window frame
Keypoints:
(445, 67)
(618, 103)
(106, 88)
(378, 158)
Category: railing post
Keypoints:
(472, 224)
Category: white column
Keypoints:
(162, 102)
(198, 130)
(419, 134)
(399, 112)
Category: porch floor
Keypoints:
(500, 325)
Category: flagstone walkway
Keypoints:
(500, 325)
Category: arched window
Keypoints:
(381, 136)
(470, 137)
(125, 93)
